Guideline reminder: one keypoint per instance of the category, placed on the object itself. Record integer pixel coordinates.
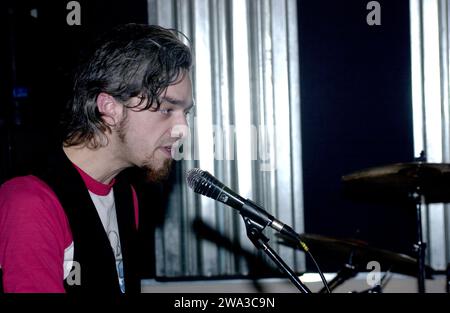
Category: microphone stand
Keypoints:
(254, 233)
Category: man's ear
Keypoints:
(110, 109)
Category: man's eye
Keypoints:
(165, 111)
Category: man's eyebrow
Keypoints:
(177, 102)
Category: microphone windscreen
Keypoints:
(204, 183)
(193, 176)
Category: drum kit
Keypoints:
(416, 183)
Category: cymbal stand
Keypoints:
(420, 246)
(254, 233)
(347, 272)
(447, 281)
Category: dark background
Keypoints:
(355, 102)
(356, 113)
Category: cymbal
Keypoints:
(432, 180)
(360, 252)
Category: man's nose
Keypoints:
(180, 128)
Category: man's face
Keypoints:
(147, 137)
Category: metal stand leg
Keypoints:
(420, 246)
(254, 233)
(347, 272)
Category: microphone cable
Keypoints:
(308, 252)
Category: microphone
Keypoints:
(204, 183)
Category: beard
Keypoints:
(157, 175)
(152, 172)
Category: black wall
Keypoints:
(39, 55)
(356, 113)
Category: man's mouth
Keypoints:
(167, 150)
(172, 148)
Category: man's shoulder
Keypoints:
(25, 188)
(30, 200)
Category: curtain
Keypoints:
(245, 130)
(430, 94)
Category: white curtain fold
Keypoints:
(245, 131)
(430, 94)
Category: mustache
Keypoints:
(173, 143)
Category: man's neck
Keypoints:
(100, 163)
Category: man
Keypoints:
(72, 226)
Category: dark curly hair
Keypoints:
(131, 60)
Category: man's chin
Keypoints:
(157, 175)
